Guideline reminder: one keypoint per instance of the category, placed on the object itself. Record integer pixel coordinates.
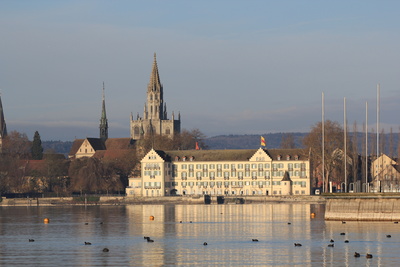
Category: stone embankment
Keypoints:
(122, 200)
(363, 208)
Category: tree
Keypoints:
(37, 149)
(333, 153)
(287, 141)
(16, 145)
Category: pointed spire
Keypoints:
(154, 84)
(103, 119)
(3, 127)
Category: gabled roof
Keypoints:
(75, 146)
(96, 143)
(113, 153)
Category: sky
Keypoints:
(228, 67)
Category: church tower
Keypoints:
(155, 118)
(103, 120)
(3, 127)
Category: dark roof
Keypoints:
(231, 155)
(96, 143)
(286, 177)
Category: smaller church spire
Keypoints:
(103, 119)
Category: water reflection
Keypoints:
(179, 232)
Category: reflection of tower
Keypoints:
(155, 117)
(103, 120)
(3, 127)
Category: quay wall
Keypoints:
(124, 200)
(363, 209)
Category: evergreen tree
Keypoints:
(37, 149)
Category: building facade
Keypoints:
(223, 172)
(154, 119)
(385, 173)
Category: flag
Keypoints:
(197, 146)
(262, 141)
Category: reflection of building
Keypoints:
(155, 120)
(385, 173)
(223, 172)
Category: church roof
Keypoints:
(286, 177)
(119, 143)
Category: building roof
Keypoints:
(119, 143)
(112, 153)
(233, 155)
(286, 177)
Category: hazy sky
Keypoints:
(229, 67)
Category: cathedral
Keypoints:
(154, 119)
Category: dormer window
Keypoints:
(287, 157)
(177, 158)
(191, 158)
(184, 158)
(296, 157)
(279, 157)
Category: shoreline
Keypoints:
(175, 200)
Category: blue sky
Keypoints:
(229, 67)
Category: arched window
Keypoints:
(168, 131)
(136, 130)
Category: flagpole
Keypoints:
(323, 144)
(345, 145)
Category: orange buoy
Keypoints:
(46, 220)
(313, 215)
(151, 218)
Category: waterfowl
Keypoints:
(146, 237)
(150, 240)
(332, 241)
(368, 256)
(205, 244)
(388, 236)
(180, 221)
(346, 241)
(297, 245)
(88, 243)
(106, 250)
(289, 223)
(86, 223)
(356, 254)
(396, 222)
(31, 240)
(254, 240)
(343, 222)
(331, 245)
(342, 233)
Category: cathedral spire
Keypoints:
(155, 97)
(103, 120)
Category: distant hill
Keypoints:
(61, 147)
(273, 140)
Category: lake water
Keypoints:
(179, 232)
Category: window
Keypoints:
(198, 166)
(226, 166)
(168, 131)
(254, 166)
(184, 166)
(212, 166)
(219, 166)
(240, 166)
(266, 165)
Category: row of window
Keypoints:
(240, 174)
(240, 166)
(279, 157)
(233, 183)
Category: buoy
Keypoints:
(312, 215)
(46, 220)
(151, 218)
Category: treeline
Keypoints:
(26, 168)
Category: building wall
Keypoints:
(86, 150)
(256, 176)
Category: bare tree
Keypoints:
(333, 144)
(287, 141)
